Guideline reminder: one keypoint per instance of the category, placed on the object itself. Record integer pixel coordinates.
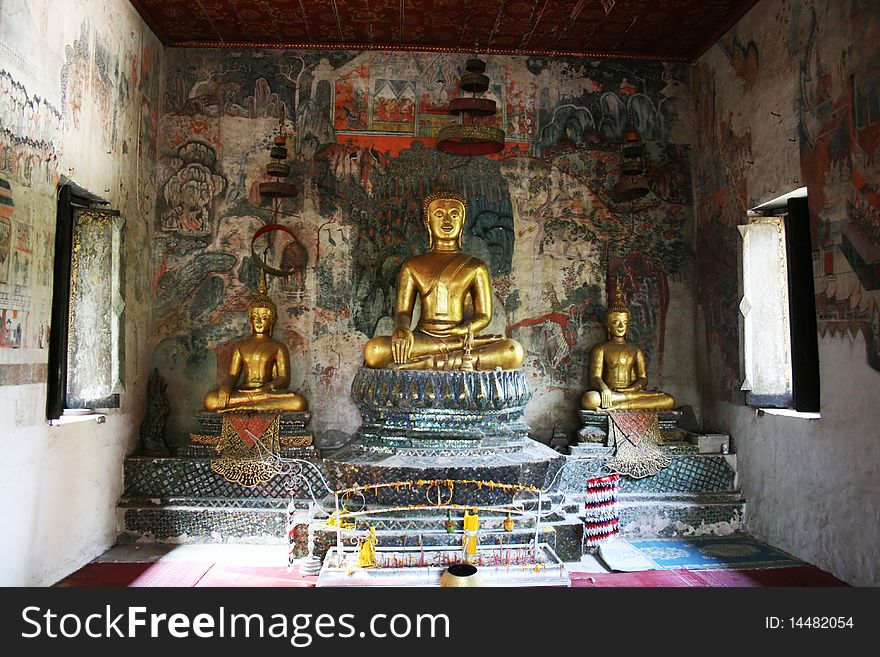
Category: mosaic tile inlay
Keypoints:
(689, 472)
(192, 477)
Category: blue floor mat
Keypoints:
(734, 552)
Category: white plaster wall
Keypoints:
(58, 488)
(812, 486)
(59, 485)
(678, 376)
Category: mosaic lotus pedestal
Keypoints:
(425, 424)
(450, 426)
(445, 410)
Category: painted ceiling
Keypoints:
(671, 30)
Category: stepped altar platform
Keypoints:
(451, 442)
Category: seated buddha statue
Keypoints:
(618, 370)
(446, 282)
(259, 370)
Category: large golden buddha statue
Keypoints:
(618, 369)
(446, 281)
(259, 370)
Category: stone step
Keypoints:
(410, 537)
(653, 516)
(178, 521)
(574, 502)
(693, 498)
(199, 524)
(563, 535)
(229, 503)
(642, 516)
(191, 477)
(689, 472)
(169, 477)
(173, 499)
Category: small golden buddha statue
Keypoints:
(618, 369)
(367, 551)
(259, 370)
(471, 526)
(446, 281)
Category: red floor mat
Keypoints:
(188, 574)
(268, 576)
(156, 574)
(795, 576)
(646, 578)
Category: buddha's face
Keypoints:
(617, 324)
(262, 320)
(445, 218)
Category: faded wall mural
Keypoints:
(807, 92)
(541, 213)
(79, 100)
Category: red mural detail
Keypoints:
(353, 161)
(161, 269)
(326, 378)
(351, 108)
(294, 341)
(646, 289)
(627, 88)
(744, 60)
(436, 100)
(815, 164)
(512, 149)
(223, 356)
(563, 319)
(387, 145)
(521, 108)
(736, 151)
(393, 110)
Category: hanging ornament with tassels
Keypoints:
(278, 168)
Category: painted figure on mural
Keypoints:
(618, 369)
(259, 370)
(446, 282)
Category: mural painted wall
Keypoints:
(790, 97)
(79, 100)
(541, 213)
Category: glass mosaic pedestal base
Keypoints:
(293, 435)
(594, 426)
(441, 409)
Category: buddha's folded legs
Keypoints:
(242, 400)
(430, 352)
(654, 400)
